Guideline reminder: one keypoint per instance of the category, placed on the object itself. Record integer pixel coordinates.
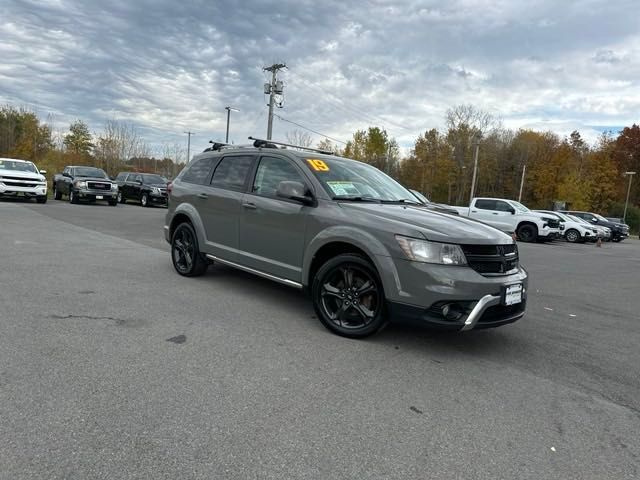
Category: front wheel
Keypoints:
(42, 199)
(527, 233)
(144, 200)
(121, 198)
(56, 193)
(113, 203)
(73, 197)
(185, 253)
(348, 296)
(572, 236)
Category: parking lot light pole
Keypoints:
(229, 110)
(626, 203)
(476, 142)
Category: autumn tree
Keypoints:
(79, 140)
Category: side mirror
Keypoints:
(43, 172)
(594, 220)
(294, 191)
(138, 182)
(512, 211)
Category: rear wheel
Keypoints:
(572, 236)
(527, 232)
(144, 200)
(185, 253)
(348, 296)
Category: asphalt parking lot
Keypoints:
(113, 366)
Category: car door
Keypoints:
(135, 187)
(272, 229)
(496, 213)
(67, 180)
(220, 204)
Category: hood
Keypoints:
(434, 226)
(21, 174)
(92, 179)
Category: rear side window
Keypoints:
(486, 204)
(198, 171)
(231, 173)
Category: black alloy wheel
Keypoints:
(527, 233)
(348, 296)
(185, 253)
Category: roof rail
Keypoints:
(261, 143)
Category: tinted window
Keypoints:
(121, 176)
(231, 172)
(271, 172)
(198, 171)
(503, 207)
(486, 204)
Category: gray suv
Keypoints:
(356, 240)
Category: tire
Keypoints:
(42, 199)
(113, 203)
(144, 201)
(348, 297)
(121, 198)
(527, 233)
(73, 197)
(572, 236)
(185, 252)
(56, 193)
(616, 239)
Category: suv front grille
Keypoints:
(492, 259)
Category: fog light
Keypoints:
(452, 311)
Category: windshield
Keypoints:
(600, 217)
(153, 179)
(345, 179)
(90, 172)
(519, 207)
(578, 219)
(18, 166)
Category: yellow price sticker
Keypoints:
(318, 165)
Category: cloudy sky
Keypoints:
(173, 66)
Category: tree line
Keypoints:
(440, 163)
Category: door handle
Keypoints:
(496, 213)
(204, 196)
(249, 205)
(474, 211)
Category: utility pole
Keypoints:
(229, 110)
(274, 88)
(189, 145)
(626, 203)
(524, 170)
(476, 142)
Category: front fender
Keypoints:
(375, 250)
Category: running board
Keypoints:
(268, 276)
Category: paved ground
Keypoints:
(113, 366)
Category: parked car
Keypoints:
(600, 233)
(85, 183)
(21, 178)
(348, 234)
(146, 188)
(436, 207)
(511, 216)
(619, 231)
(573, 230)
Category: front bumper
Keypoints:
(550, 233)
(12, 190)
(416, 292)
(92, 195)
(158, 198)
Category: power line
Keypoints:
(309, 129)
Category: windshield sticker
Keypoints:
(343, 188)
(318, 165)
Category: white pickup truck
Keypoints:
(511, 216)
(22, 178)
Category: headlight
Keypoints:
(80, 184)
(114, 186)
(431, 252)
(155, 190)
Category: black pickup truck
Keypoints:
(85, 183)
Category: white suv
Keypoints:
(573, 230)
(22, 178)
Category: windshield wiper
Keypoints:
(403, 200)
(356, 198)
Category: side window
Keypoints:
(503, 207)
(231, 173)
(66, 170)
(121, 176)
(198, 171)
(137, 178)
(486, 204)
(271, 172)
